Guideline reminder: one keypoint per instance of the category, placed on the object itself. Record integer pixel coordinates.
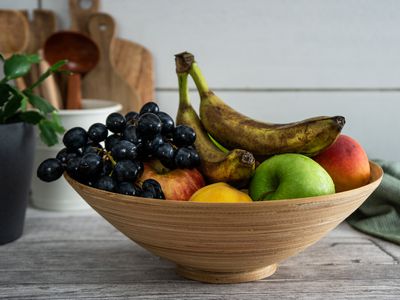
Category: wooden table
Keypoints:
(79, 255)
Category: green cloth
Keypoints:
(379, 215)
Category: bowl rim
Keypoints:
(106, 107)
(126, 199)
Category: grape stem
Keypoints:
(111, 158)
(108, 155)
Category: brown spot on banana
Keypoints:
(235, 167)
(308, 137)
(235, 130)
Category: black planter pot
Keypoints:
(17, 147)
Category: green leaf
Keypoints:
(16, 93)
(41, 104)
(11, 108)
(32, 117)
(19, 65)
(49, 71)
(33, 58)
(14, 102)
(20, 95)
(57, 123)
(47, 133)
(49, 128)
(24, 104)
(5, 93)
(58, 65)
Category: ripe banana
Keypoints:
(234, 130)
(235, 167)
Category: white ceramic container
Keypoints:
(58, 195)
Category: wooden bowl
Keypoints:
(226, 242)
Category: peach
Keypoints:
(346, 162)
(178, 184)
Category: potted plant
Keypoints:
(20, 111)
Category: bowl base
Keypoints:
(226, 277)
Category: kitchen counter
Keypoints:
(79, 255)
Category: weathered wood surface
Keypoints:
(79, 255)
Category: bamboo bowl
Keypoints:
(226, 242)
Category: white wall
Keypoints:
(277, 60)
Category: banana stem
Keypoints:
(184, 99)
(198, 79)
(185, 63)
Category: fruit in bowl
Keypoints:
(120, 156)
(226, 242)
(220, 192)
(126, 167)
(346, 162)
(177, 184)
(288, 176)
(233, 130)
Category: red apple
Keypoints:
(346, 162)
(178, 184)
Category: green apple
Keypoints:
(288, 176)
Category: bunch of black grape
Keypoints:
(114, 162)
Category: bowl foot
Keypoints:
(226, 277)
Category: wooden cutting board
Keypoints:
(103, 82)
(14, 37)
(14, 32)
(80, 16)
(42, 25)
(133, 62)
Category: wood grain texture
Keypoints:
(42, 25)
(133, 62)
(49, 88)
(14, 38)
(103, 82)
(14, 30)
(71, 255)
(382, 289)
(225, 242)
(81, 54)
(80, 15)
